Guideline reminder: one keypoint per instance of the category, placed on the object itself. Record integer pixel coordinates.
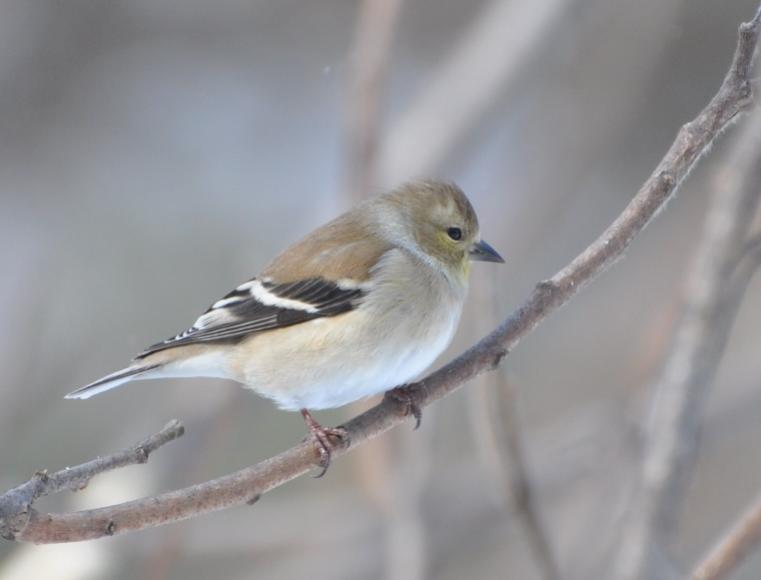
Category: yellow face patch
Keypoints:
(465, 268)
(444, 240)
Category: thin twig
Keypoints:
(17, 502)
(731, 550)
(520, 482)
(745, 269)
(371, 53)
(397, 502)
(499, 437)
(745, 533)
(247, 485)
(457, 93)
(216, 421)
(690, 366)
(480, 401)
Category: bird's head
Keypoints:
(440, 221)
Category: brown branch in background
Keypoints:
(379, 468)
(498, 435)
(214, 423)
(744, 270)
(388, 471)
(408, 553)
(371, 54)
(680, 391)
(486, 441)
(732, 549)
(16, 504)
(457, 93)
(520, 481)
(247, 485)
(745, 534)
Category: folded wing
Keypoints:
(261, 304)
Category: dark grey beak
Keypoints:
(483, 252)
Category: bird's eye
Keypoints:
(455, 234)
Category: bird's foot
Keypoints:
(325, 439)
(406, 396)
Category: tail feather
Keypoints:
(111, 381)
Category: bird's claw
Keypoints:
(324, 443)
(326, 440)
(406, 396)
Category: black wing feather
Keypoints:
(244, 315)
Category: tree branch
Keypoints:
(376, 25)
(245, 486)
(520, 483)
(499, 438)
(16, 504)
(460, 92)
(732, 549)
(679, 392)
(745, 533)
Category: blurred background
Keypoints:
(153, 155)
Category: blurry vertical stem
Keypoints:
(397, 501)
(370, 58)
(487, 56)
(215, 424)
(491, 460)
(690, 366)
(500, 432)
(745, 534)
(521, 488)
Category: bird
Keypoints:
(358, 307)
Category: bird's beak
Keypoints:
(483, 252)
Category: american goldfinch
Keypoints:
(359, 306)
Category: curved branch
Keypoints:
(16, 504)
(245, 486)
(710, 305)
(732, 549)
(678, 396)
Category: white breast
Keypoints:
(395, 335)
